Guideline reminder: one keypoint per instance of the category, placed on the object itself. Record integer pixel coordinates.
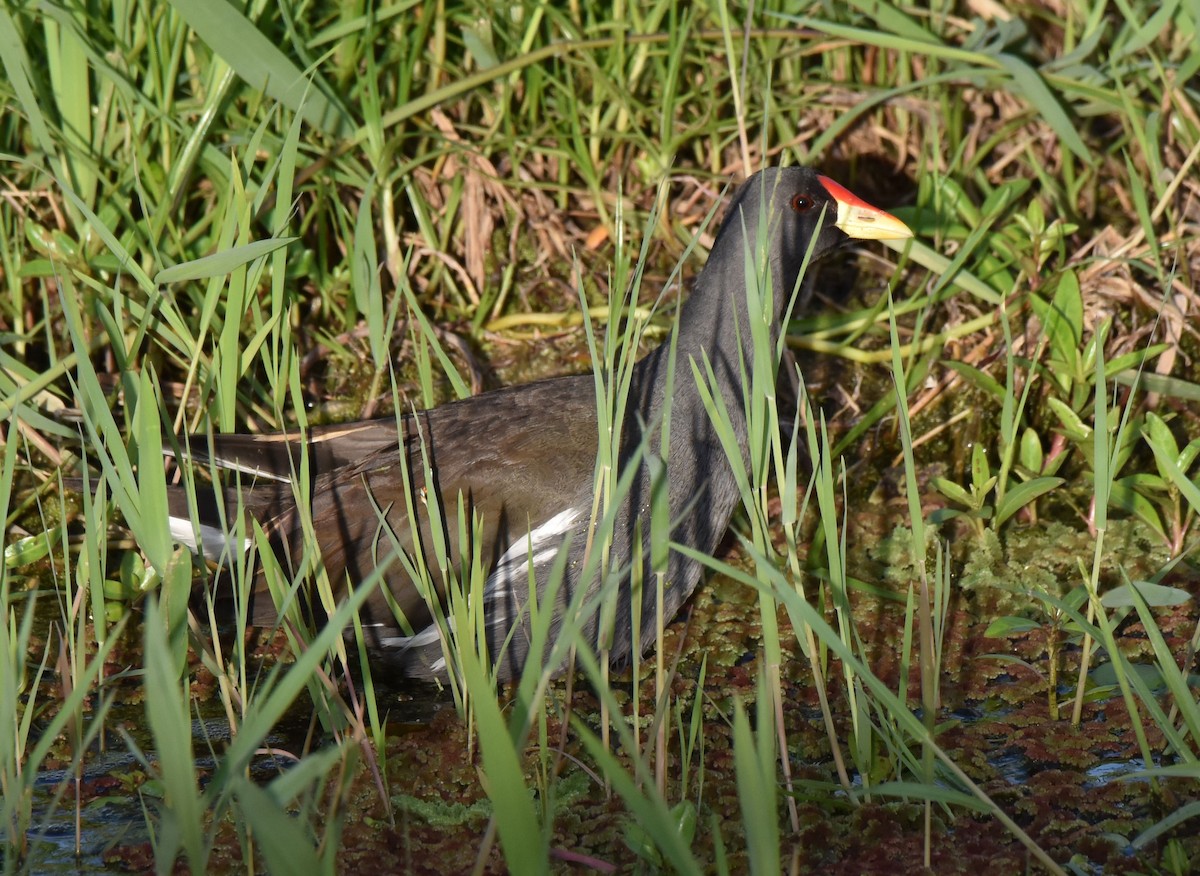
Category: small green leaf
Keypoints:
(1189, 490)
(684, 814)
(1145, 483)
(1159, 433)
(1054, 463)
(638, 840)
(1133, 361)
(1032, 456)
(30, 549)
(477, 38)
(1022, 494)
(1076, 598)
(1035, 216)
(890, 18)
(1188, 455)
(1073, 427)
(1095, 343)
(120, 590)
(981, 472)
(1150, 30)
(1129, 500)
(941, 515)
(953, 492)
(981, 380)
(1010, 626)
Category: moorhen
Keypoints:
(523, 459)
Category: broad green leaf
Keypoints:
(1149, 31)
(1132, 362)
(1062, 320)
(890, 18)
(1145, 482)
(285, 842)
(260, 62)
(1155, 595)
(1105, 676)
(477, 38)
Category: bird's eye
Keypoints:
(802, 203)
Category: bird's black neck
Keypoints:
(715, 328)
(714, 331)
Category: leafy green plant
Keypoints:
(1174, 510)
(1070, 364)
(1060, 630)
(996, 496)
(979, 497)
(1068, 370)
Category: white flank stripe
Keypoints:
(513, 566)
(419, 639)
(541, 544)
(217, 543)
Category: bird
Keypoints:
(522, 459)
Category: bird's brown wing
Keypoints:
(514, 461)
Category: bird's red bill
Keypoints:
(858, 219)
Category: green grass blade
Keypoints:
(261, 63)
(221, 263)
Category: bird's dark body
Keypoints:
(523, 457)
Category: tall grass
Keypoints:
(215, 214)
